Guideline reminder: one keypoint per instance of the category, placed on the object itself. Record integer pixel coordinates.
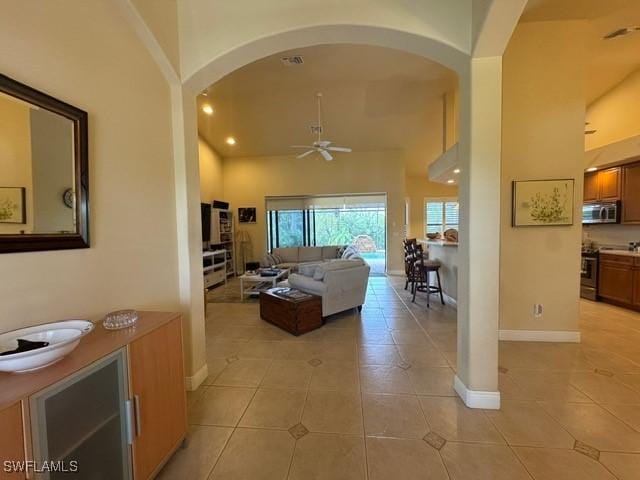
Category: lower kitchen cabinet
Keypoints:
(113, 409)
(619, 279)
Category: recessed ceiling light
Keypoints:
(451, 180)
(208, 109)
(592, 169)
(230, 141)
(620, 32)
(456, 171)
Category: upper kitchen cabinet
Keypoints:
(603, 186)
(631, 193)
(591, 187)
(609, 183)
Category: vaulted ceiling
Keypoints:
(373, 99)
(610, 60)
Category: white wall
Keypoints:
(542, 138)
(84, 53)
(210, 173)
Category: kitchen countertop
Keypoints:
(441, 243)
(619, 252)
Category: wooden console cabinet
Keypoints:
(116, 404)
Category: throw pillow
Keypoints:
(341, 251)
(277, 259)
(319, 273)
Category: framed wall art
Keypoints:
(12, 205)
(247, 215)
(542, 203)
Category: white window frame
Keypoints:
(443, 219)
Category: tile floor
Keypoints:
(370, 396)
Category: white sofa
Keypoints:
(292, 257)
(342, 284)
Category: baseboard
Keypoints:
(540, 336)
(476, 398)
(192, 383)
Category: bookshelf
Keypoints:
(222, 237)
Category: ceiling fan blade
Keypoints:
(326, 155)
(301, 146)
(302, 155)
(324, 143)
(339, 149)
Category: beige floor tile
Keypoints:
(445, 341)
(593, 425)
(344, 352)
(554, 464)
(432, 380)
(378, 355)
(629, 414)
(402, 323)
(321, 456)
(288, 374)
(525, 423)
(385, 379)
(604, 389)
(469, 461)
(333, 412)
(196, 461)
(223, 348)
(377, 336)
(274, 408)
(221, 406)
(238, 333)
(335, 335)
(410, 337)
(398, 416)
(259, 349)
(625, 466)
(244, 372)
(608, 360)
(395, 458)
(195, 395)
(215, 366)
(451, 419)
(340, 376)
(631, 380)
(256, 455)
(422, 355)
(547, 385)
(509, 388)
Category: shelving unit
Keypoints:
(223, 237)
(214, 267)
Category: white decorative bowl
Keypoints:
(63, 337)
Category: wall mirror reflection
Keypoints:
(43, 171)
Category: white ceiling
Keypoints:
(374, 99)
(610, 60)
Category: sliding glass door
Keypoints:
(358, 220)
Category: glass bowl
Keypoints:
(120, 319)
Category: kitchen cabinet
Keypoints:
(116, 404)
(591, 187)
(603, 186)
(619, 279)
(631, 193)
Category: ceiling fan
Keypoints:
(323, 147)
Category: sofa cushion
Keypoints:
(330, 252)
(306, 284)
(337, 264)
(268, 261)
(288, 254)
(309, 254)
(293, 266)
(308, 269)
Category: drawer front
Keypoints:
(620, 259)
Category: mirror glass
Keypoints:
(37, 170)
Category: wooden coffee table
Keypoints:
(292, 310)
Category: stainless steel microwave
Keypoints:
(604, 212)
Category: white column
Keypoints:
(480, 137)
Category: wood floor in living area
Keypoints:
(369, 396)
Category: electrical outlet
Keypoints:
(537, 310)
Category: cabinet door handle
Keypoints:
(136, 406)
(128, 419)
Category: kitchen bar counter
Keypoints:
(619, 252)
(447, 253)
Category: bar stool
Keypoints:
(423, 268)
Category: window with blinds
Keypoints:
(440, 215)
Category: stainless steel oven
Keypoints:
(605, 212)
(589, 275)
